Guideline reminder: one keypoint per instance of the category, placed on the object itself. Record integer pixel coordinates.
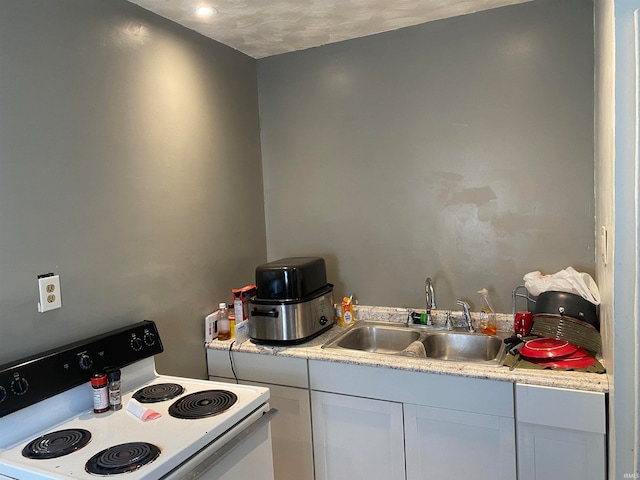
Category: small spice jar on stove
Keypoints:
(115, 395)
(100, 393)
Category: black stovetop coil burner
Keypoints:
(158, 393)
(56, 444)
(123, 458)
(203, 404)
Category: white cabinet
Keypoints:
(379, 423)
(561, 434)
(450, 444)
(357, 438)
(287, 381)
(454, 427)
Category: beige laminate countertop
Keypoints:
(312, 350)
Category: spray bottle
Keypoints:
(487, 314)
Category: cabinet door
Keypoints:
(549, 453)
(561, 434)
(290, 431)
(450, 444)
(357, 438)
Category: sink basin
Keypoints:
(463, 347)
(393, 339)
(378, 339)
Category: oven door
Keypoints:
(243, 452)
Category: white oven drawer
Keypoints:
(243, 452)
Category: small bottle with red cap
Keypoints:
(100, 393)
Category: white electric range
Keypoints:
(206, 430)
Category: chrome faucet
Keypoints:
(430, 299)
(467, 315)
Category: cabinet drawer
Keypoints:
(490, 397)
(253, 367)
(561, 408)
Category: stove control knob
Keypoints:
(323, 320)
(149, 339)
(3, 393)
(85, 361)
(19, 386)
(136, 344)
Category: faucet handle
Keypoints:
(467, 314)
(449, 323)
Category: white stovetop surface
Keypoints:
(178, 439)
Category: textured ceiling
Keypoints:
(261, 28)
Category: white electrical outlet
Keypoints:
(50, 296)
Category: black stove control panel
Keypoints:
(36, 378)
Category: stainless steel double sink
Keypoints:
(399, 339)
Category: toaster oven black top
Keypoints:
(290, 278)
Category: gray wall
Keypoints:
(130, 165)
(460, 149)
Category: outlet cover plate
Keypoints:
(50, 296)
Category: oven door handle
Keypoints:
(230, 446)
